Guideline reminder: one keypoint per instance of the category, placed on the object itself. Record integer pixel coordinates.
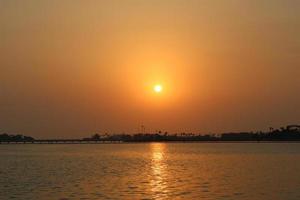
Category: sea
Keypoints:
(208, 171)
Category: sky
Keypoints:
(72, 68)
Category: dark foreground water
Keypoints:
(150, 171)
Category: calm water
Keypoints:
(150, 171)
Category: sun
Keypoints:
(157, 88)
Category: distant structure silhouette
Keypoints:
(293, 127)
(288, 133)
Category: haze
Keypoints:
(71, 68)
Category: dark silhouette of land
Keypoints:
(290, 133)
(15, 138)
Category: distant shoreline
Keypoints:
(288, 134)
(142, 142)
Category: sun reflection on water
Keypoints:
(158, 183)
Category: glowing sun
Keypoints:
(157, 88)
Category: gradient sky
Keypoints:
(71, 68)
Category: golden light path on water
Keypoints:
(158, 183)
(169, 171)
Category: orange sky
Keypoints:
(71, 68)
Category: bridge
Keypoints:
(63, 141)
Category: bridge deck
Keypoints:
(70, 141)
